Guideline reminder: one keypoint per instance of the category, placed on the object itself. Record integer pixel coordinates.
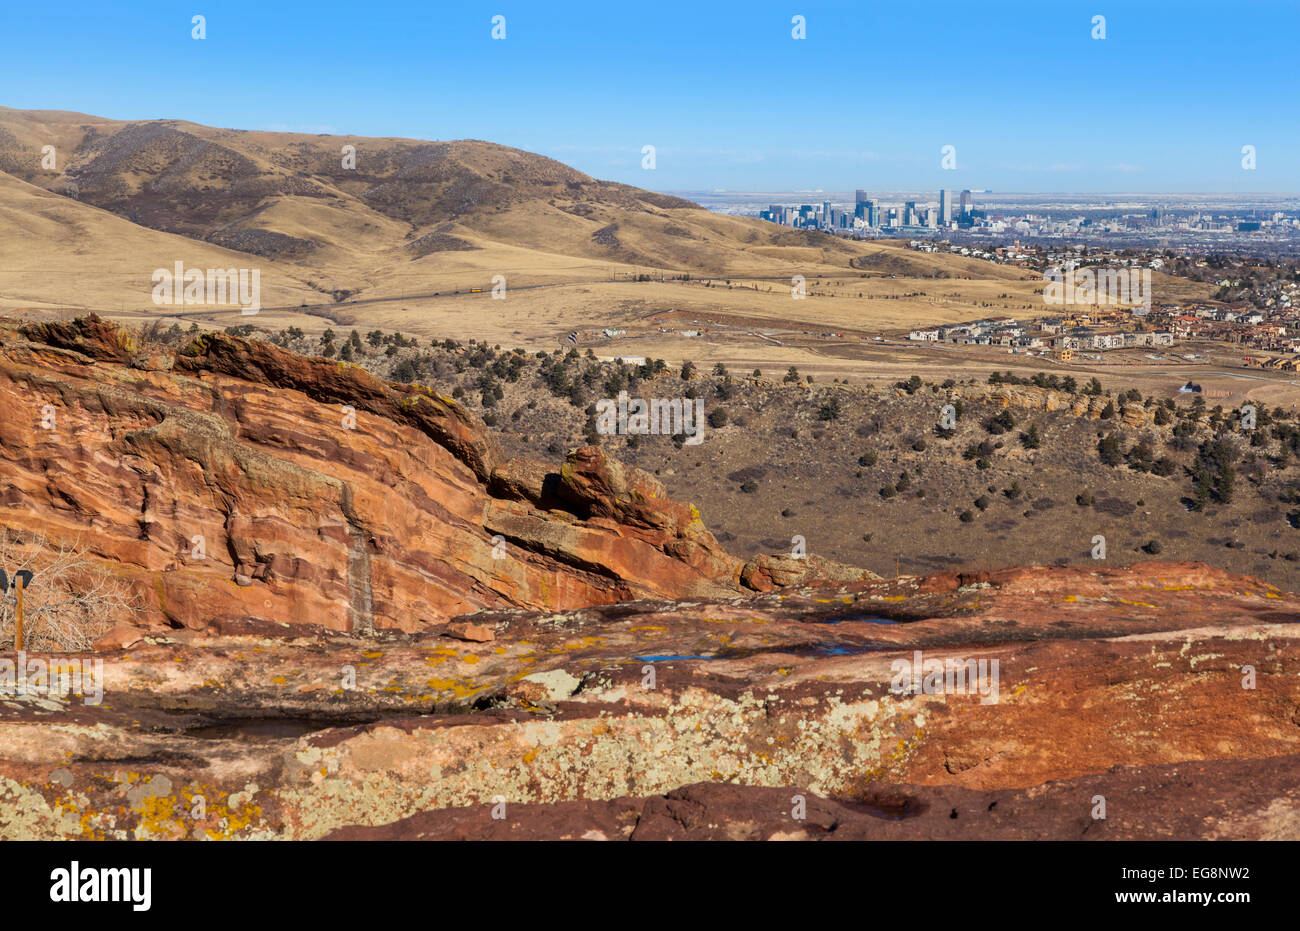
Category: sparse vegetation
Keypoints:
(71, 600)
(1108, 449)
(1213, 474)
(1000, 423)
(544, 404)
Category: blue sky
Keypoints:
(1030, 101)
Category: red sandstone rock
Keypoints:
(475, 633)
(290, 695)
(245, 480)
(1236, 800)
(120, 637)
(1131, 683)
(767, 573)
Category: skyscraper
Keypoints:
(945, 207)
(965, 203)
(861, 197)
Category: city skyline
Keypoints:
(1164, 221)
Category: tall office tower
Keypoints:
(860, 197)
(945, 207)
(873, 214)
(965, 203)
(860, 210)
(931, 218)
(909, 213)
(826, 213)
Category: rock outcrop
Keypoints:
(1168, 688)
(1235, 800)
(362, 621)
(236, 478)
(1033, 398)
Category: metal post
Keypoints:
(18, 615)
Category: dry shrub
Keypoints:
(71, 601)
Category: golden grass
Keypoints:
(565, 244)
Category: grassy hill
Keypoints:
(404, 240)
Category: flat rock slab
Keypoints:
(1074, 684)
(1235, 800)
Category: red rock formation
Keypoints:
(323, 688)
(241, 479)
(1169, 689)
(1234, 800)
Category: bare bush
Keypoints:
(71, 600)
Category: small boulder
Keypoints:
(474, 633)
(121, 636)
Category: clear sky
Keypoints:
(1028, 99)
